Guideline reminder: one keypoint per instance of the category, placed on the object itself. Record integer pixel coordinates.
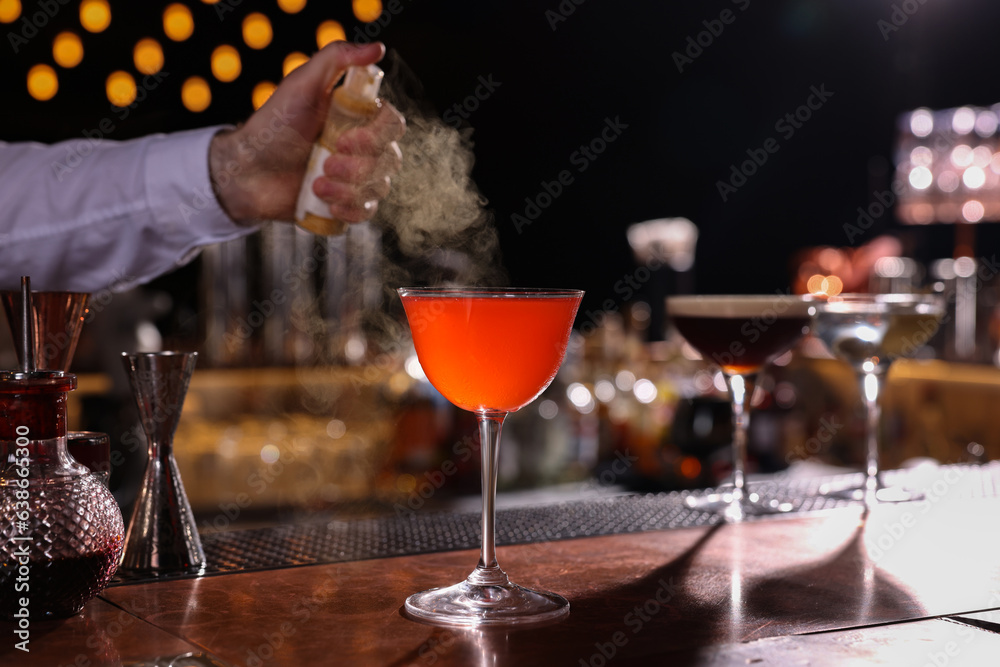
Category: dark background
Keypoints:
(559, 80)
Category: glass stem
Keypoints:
(488, 572)
(871, 391)
(740, 393)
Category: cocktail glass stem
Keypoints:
(487, 596)
(737, 503)
(740, 394)
(488, 572)
(871, 391)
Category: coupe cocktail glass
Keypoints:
(490, 351)
(740, 334)
(870, 331)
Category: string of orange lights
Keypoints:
(178, 25)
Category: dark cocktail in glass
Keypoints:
(740, 334)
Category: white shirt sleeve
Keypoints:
(86, 215)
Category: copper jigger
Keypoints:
(58, 321)
(162, 536)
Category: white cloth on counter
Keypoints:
(86, 215)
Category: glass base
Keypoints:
(732, 508)
(882, 494)
(470, 605)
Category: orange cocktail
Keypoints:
(491, 352)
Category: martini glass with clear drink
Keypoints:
(740, 334)
(869, 332)
(490, 351)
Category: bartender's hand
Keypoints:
(257, 169)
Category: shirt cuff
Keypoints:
(180, 195)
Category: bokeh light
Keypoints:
(178, 24)
(293, 60)
(982, 156)
(148, 56)
(95, 15)
(644, 390)
(330, 31)
(963, 121)
(336, 429)
(922, 214)
(195, 94)
(270, 454)
(921, 122)
(226, 65)
(580, 397)
(961, 155)
(965, 267)
(973, 211)
(367, 10)
(986, 123)
(548, 409)
(921, 178)
(120, 88)
(43, 83)
(890, 267)
(413, 368)
(292, 6)
(257, 31)
(921, 156)
(67, 49)
(974, 178)
(689, 467)
(948, 181)
(820, 285)
(261, 92)
(625, 380)
(10, 10)
(604, 390)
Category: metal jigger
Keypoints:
(57, 320)
(162, 537)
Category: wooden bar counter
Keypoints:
(907, 584)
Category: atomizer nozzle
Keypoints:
(360, 87)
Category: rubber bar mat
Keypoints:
(407, 533)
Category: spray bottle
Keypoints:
(353, 104)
